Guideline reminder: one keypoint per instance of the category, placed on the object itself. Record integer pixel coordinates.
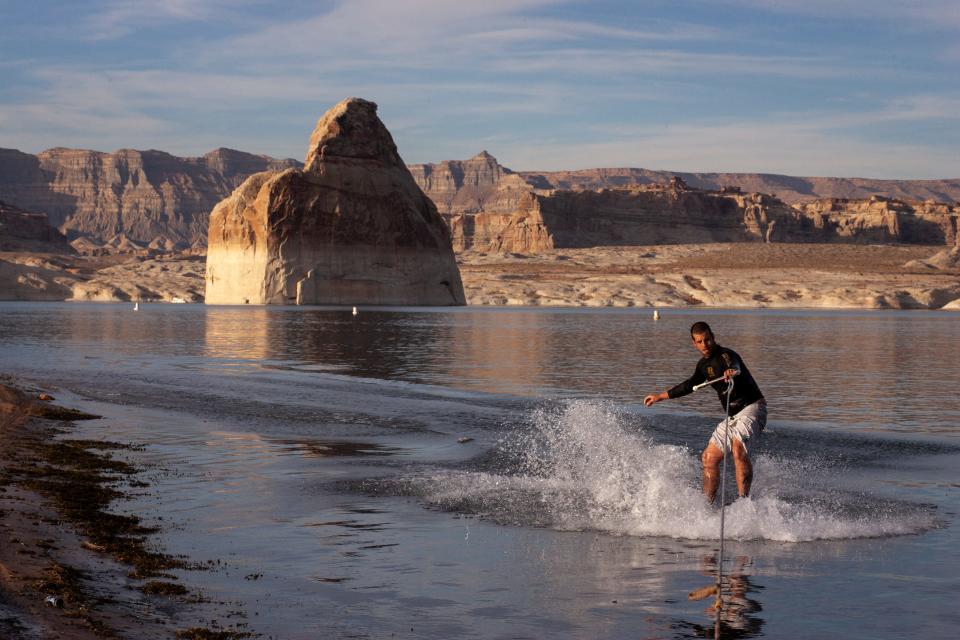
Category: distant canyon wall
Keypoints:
(665, 215)
(491, 208)
(154, 198)
(790, 189)
(146, 196)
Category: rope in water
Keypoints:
(723, 500)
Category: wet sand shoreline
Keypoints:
(71, 565)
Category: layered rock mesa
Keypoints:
(674, 214)
(789, 189)
(146, 196)
(152, 197)
(487, 206)
(879, 219)
(490, 208)
(457, 186)
(351, 227)
(26, 231)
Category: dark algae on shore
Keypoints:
(77, 482)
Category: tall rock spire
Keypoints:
(352, 227)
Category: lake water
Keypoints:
(316, 454)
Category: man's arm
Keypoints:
(653, 398)
(682, 389)
(732, 360)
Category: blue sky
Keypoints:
(804, 87)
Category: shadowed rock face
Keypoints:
(651, 215)
(352, 227)
(25, 231)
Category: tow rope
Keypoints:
(717, 588)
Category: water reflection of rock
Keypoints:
(503, 357)
(237, 333)
(371, 344)
(527, 352)
(111, 324)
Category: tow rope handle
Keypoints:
(697, 387)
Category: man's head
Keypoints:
(703, 338)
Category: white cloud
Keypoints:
(748, 149)
(119, 18)
(635, 62)
(936, 13)
(422, 34)
(376, 28)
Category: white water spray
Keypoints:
(581, 469)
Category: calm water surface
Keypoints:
(317, 453)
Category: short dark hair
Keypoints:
(700, 329)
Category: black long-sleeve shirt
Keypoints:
(745, 389)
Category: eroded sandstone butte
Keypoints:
(351, 227)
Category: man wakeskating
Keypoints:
(747, 410)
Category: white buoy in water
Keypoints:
(656, 314)
(136, 306)
(354, 311)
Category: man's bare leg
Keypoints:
(741, 458)
(711, 458)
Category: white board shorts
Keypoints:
(746, 423)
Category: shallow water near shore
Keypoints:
(315, 454)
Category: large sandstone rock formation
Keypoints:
(351, 227)
(147, 196)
